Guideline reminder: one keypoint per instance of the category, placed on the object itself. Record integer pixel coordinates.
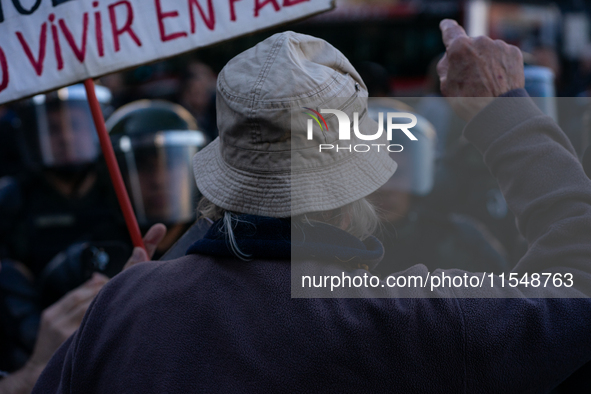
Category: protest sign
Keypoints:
(46, 44)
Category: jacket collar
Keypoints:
(261, 237)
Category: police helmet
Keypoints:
(154, 142)
(58, 128)
(415, 158)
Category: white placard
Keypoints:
(47, 44)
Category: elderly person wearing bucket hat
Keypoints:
(222, 319)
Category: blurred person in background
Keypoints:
(464, 187)
(412, 216)
(154, 141)
(59, 221)
(413, 231)
(197, 95)
(57, 323)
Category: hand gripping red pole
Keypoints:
(107, 148)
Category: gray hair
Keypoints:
(358, 218)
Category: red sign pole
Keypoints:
(107, 148)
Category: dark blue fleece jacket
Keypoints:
(210, 322)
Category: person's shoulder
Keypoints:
(146, 280)
(148, 271)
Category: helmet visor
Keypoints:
(159, 177)
(66, 133)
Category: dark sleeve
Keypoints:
(531, 344)
(57, 376)
(542, 180)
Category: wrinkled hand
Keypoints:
(476, 67)
(151, 240)
(60, 320)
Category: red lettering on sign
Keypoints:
(232, 11)
(56, 43)
(98, 32)
(126, 28)
(287, 3)
(36, 63)
(4, 68)
(209, 21)
(161, 16)
(79, 52)
(258, 6)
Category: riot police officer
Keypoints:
(154, 141)
(414, 230)
(59, 221)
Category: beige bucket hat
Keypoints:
(263, 163)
